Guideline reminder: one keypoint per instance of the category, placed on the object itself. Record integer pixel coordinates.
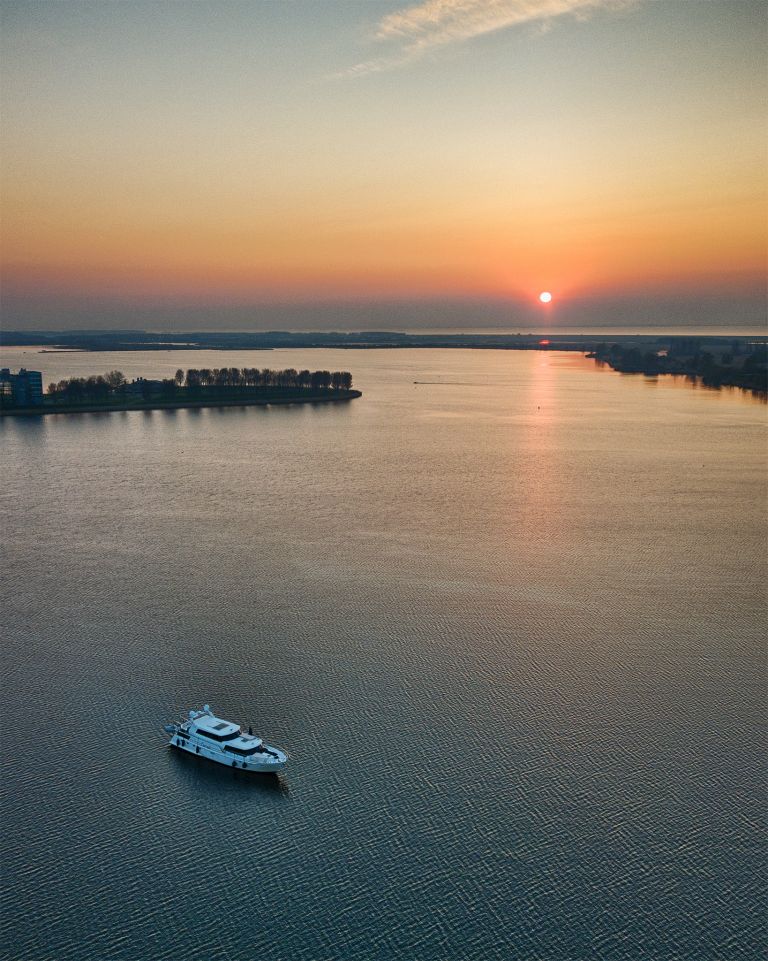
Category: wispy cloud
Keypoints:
(414, 31)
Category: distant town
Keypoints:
(22, 393)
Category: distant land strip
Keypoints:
(141, 340)
(716, 360)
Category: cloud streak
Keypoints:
(419, 29)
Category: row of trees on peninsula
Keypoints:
(253, 377)
(195, 383)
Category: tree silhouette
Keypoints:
(115, 379)
(223, 381)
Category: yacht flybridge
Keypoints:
(209, 736)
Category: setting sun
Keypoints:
(545, 297)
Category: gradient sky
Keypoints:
(216, 164)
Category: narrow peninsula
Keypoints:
(218, 387)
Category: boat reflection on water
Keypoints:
(204, 774)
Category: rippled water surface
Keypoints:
(505, 612)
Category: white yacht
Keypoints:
(209, 736)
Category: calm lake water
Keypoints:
(508, 622)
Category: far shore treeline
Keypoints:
(199, 382)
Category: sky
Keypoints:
(247, 165)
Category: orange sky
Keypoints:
(617, 154)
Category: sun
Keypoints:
(545, 297)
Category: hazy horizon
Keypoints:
(418, 316)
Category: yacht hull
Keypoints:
(257, 767)
(260, 766)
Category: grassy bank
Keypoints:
(245, 398)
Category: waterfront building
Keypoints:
(24, 389)
(143, 385)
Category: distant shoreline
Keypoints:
(166, 341)
(718, 360)
(331, 396)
